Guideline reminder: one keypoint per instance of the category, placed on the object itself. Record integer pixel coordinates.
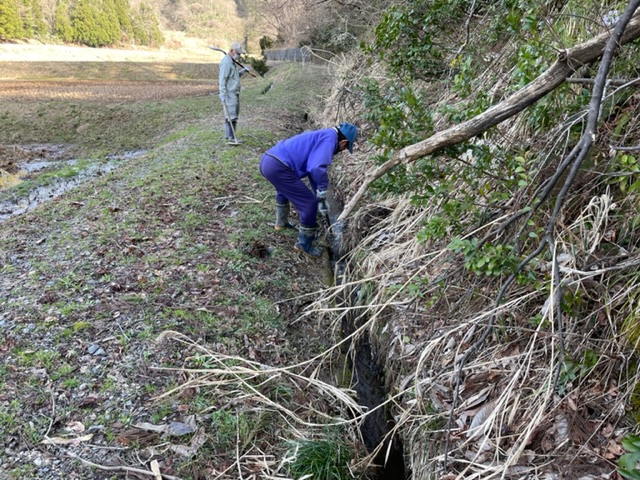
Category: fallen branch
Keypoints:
(567, 63)
(625, 149)
(119, 468)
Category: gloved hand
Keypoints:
(321, 194)
(323, 207)
(222, 96)
(244, 70)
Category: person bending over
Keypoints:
(306, 155)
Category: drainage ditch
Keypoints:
(367, 370)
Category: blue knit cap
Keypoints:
(350, 132)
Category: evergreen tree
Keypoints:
(10, 23)
(151, 24)
(24, 12)
(62, 23)
(83, 21)
(108, 24)
(123, 14)
(139, 34)
(38, 25)
(146, 29)
(93, 24)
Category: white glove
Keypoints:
(321, 194)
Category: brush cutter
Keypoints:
(234, 60)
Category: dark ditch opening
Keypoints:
(366, 368)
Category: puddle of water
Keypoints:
(46, 193)
(36, 166)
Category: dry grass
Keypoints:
(486, 385)
(530, 393)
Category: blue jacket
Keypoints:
(309, 154)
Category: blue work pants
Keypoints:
(290, 188)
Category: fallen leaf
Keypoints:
(614, 450)
(150, 427)
(76, 427)
(67, 441)
(480, 418)
(189, 451)
(155, 468)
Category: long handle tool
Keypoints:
(228, 119)
(323, 208)
(234, 60)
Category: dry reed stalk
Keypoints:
(524, 397)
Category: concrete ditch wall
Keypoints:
(288, 55)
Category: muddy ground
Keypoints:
(103, 91)
(99, 92)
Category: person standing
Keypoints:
(229, 74)
(306, 155)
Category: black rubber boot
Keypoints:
(228, 133)
(306, 235)
(282, 216)
(233, 139)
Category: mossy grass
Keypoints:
(326, 459)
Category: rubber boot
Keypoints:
(228, 133)
(282, 216)
(233, 139)
(306, 235)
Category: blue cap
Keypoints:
(350, 132)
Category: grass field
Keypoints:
(160, 272)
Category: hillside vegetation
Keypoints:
(91, 23)
(492, 232)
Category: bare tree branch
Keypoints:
(611, 81)
(625, 149)
(568, 62)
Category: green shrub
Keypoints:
(10, 23)
(259, 65)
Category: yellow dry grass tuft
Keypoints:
(9, 179)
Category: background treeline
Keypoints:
(95, 23)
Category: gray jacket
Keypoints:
(228, 78)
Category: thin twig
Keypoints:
(119, 468)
